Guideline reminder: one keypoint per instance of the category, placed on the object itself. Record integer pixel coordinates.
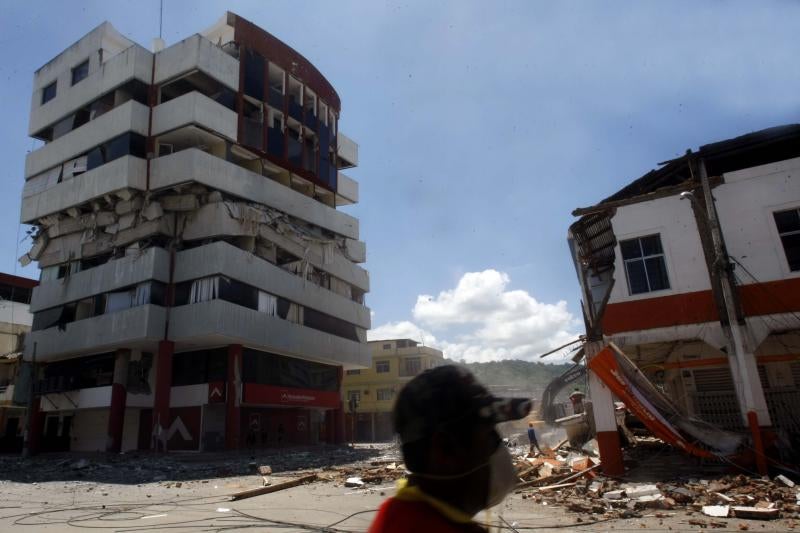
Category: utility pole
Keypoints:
(26, 444)
(723, 268)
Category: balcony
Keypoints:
(127, 172)
(193, 165)
(346, 190)
(195, 108)
(134, 62)
(347, 150)
(197, 53)
(138, 328)
(130, 116)
(228, 260)
(219, 322)
(153, 263)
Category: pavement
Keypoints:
(140, 494)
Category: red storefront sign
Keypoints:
(269, 395)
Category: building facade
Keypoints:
(693, 270)
(15, 323)
(373, 390)
(200, 287)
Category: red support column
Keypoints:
(339, 423)
(163, 388)
(758, 443)
(610, 453)
(119, 394)
(233, 426)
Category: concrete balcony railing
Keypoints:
(198, 109)
(347, 150)
(218, 322)
(137, 328)
(130, 116)
(153, 263)
(228, 260)
(195, 165)
(197, 53)
(127, 172)
(134, 62)
(346, 190)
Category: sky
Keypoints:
(481, 126)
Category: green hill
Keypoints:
(524, 375)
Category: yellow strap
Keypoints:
(413, 493)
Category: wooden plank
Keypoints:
(755, 512)
(273, 488)
(557, 486)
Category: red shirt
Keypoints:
(402, 516)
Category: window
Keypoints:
(80, 72)
(413, 366)
(354, 395)
(644, 264)
(385, 395)
(788, 223)
(353, 372)
(387, 346)
(381, 367)
(48, 93)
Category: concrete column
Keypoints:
(119, 393)
(606, 427)
(372, 420)
(233, 426)
(161, 399)
(34, 440)
(339, 420)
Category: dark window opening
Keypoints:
(254, 66)
(271, 369)
(80, 373)
(80, 72)
(15, 294)
(202, 366)
(253, 122)
(788, 223)
(645, 266)
(202, 83)
(126, 144)
(49, 92)
(329, 324)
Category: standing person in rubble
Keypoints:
(532, 439)
(458, 465)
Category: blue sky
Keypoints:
(481, 126)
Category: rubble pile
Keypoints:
(376, 473)
(572, 480)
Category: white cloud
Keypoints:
(481, 319)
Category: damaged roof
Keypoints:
(753, 149)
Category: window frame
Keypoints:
(786, 263)
(54, 85)
(379, 393)
(378, 366)
(78, 68)
(354, 393)
(643, 259)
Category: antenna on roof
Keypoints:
(158, 42)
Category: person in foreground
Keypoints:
(457, 463)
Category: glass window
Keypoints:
(381, 367)
(48, 93)
(645, 266)
(387, 346)
(385, 395)
(80, 72)
(354, 394)
(353, 372)
(788, 223)
(413, 366)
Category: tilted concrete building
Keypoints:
(199, 287)
(693, 270)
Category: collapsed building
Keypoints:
(15, 323)
(199, 287)
(692, 272)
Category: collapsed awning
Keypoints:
(656, 411)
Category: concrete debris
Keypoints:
(755, 512)
(614, 495)
(152, 211)
(353, 482)
(785, 480)
(125, 194)
(128, 206)
(183, 202)
(265, 470)
(717, 511)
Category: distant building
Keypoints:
(200, 289)
(394, 363)
(654, 283)
(15, 322)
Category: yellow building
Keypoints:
(394, 363)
